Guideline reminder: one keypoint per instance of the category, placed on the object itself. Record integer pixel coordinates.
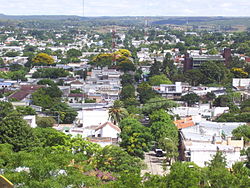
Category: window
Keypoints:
(171, 88)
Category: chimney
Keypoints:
(227, 54)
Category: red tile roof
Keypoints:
(76, 95)
(111, 125)
(19, 95)
(25, 91)
(248, 59)
(184, 123)
(76, 82)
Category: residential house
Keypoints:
(171, 91)
(75, 97)
(199, 143)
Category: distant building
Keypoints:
(241, 83)
(195, 61)
(171, 91)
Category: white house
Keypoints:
(108, 130)
(200, 143)
(31, 120)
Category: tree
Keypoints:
(123, 52)
(239, 73)
(158, 103)
(25, 110)
(12, 54)
(117, 112)
(73, 53)
(135, 137)
(15, 131)
(155, 69)
(217, 173)
(190, 98)
(194, 77)
(184, 175)
(43, 59)
(165, 133)
(44, 122)
(242, 131)
(115, 159)
(222, 101)
(210, 96)
(241, 172)
(128, 91)
(213, 72)
(245, 105)
(145, 92)
(1, 62)
(126, 65)
(127, 79)
(66, 113)
(102, 60)
(51, 73)
(157, 80)
(46, 82)
(51, 137)
(40, 98)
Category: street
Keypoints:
(154, 164)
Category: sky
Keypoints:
(127, 7)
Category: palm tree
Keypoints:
(117, 112)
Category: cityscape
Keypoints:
(124, 95)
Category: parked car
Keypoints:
(159, 152)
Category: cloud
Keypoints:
(127, 7)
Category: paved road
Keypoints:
(154, 164)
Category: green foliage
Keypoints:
(242, 131)
(66, 113)
(128, 91)
(194, 77)
(51, 73)
(184, 175)
(217, 173)
(232, 117)
(14, 130)
(44, 122)
(25, 110)
(210, 96)
(241, 172)
(145, 92)
(115, 159)
(117, 112)
(157, 80)
(155, 69)
(165, 133)
(49, 137)
(161, 116)
(73, 53)
(46, 82)
(190, 98)
(213, 72)
(127, 79)
(158, 103)
(135, 137)
(12, 54)
(245, 105)
(126, 65)
(102, 60)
